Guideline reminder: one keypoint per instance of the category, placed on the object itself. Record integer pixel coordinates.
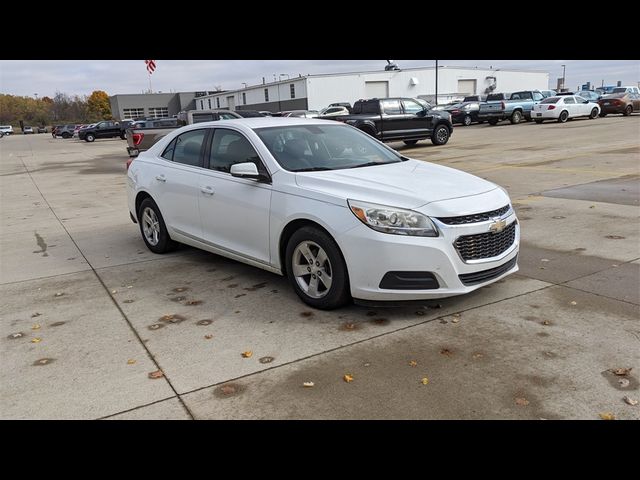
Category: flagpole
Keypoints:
(150, 89)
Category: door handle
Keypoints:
(207, 190)
(161, 178)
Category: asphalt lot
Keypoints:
(88, 312)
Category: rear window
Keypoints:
(550, 100)
(616, 95)
(619, 90)
(366, 107)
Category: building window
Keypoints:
(209, 102)
(201, 104)
(292, 88)
(266, 94)
(132, 113)
(218, 102)
(159, 112)
(244, 98)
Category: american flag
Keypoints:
(151, 65)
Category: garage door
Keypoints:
(376, 89)
(468, 87)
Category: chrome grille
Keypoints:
(476, 217)
(486, 245)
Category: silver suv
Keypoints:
(6, 129)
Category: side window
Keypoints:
(188, 146)
(411, 107)
(537, 96)
(569, 100)
(226, 116)
(391, 107)
(168, 152)
(230, 147)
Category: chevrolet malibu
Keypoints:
(342, 215)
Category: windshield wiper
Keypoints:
(370, 164)
(312, 169)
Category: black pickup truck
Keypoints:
(394, 119)
(106, 129)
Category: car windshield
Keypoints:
(304, 148)
(550, 100)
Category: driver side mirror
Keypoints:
(245, 170)
(422, 113)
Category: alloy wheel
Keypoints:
(312, 269)
(150, 226)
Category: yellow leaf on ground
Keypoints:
(348, 378)
(36, 340)
(424, 381)
(36, 327)
(131, 361)
(523, 402)
(247, 354)
(156, 374)
(607, 416)
(413, 363)
(208, 337)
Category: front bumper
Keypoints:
(370, 255)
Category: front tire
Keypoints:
(564, 116)
(89, 137)
(466, 121)
(410, 142)
(628, 110)
(516, 117)
(594, 113)
(66, 135)
(316, 269)
(153, 229)
(440, 135)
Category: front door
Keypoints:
(234, 211)
(418, 120)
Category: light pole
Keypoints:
(563, 77)
(436, 82)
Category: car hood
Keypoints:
(410, 184)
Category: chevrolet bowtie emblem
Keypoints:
(497, 226)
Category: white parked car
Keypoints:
(562, 108)
(340, 213)
(626, 90)
(6, 129)
(333, 111)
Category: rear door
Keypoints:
(394, 120)
(176, 183)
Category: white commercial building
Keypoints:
(314, 92)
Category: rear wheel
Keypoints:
(410, 142)
(594, 113)
(628, 110)
(153, 229)
(538, 121)
(440, 135)
(516, 117)
(89, 137)
(66, 135)
(316, 269)
(466, 121)
(564, 116)
(493, 121)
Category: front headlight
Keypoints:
(393, 220)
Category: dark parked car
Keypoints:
(249, 113)
(624, 103)
(42, 129)
(106, 129)
(465, 112)
(395, 119)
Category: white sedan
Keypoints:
(562, 108)
(340, 214)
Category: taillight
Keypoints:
(551, 107)
(137, 138)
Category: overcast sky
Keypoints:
(45, 77)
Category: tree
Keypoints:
(99, 106)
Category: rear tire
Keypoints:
(594, 113)
(331, 265)
(66, 135)
(410, 142)
(516, 117)
(440, 135)
(538, 121)
(493, 121)
(564, 116)
(628, 110)
(153, 229)
(89, 137)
